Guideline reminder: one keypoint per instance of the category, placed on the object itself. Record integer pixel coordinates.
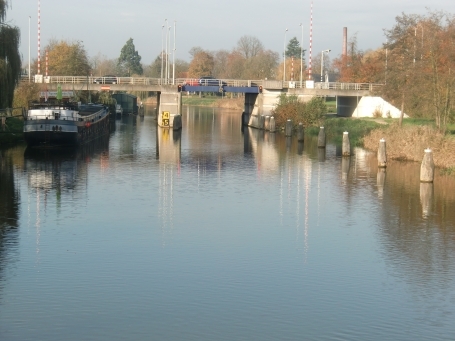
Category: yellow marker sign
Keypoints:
(165, 118)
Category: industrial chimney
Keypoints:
(345, 41)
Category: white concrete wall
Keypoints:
(369, 105)
(169, 102)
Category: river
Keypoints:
(221, 233)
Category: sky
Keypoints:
(104, 26)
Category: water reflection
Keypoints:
(9, 209)
(426, 198)
(321, 154)
(63, 169)
(380, 180)
(345, 165)
(219, 224)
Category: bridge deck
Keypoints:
(154, 84)
(224, 88)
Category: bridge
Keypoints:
(260, 95)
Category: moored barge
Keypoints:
(51, 124)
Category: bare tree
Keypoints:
(220, 62)
(249, 46)
(101, 65)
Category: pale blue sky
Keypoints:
(104, 26)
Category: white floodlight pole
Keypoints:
(322, 63)
(173, 60)
(301, 57)
(29, 75)
(162, 54)
(166, 60)
(169, 52)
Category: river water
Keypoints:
(216, 233)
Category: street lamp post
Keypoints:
(29, 76)
(322, 63)
(168, 67)
(162, 57)
(173, 59)
(301, 57)
(166, 55)
(415, 41)
(284, 56)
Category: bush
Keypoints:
(24, 93)
(308, 113)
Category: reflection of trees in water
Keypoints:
(417, 225)
(9, 208)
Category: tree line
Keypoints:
(416, 64)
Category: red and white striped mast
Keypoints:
(39, 37)
(310, 75)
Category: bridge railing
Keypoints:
(347, 86)
(266, 84)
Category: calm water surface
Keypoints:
(219, 234)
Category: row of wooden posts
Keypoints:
(426, 168)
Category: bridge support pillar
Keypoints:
(250, 108)
(254, 109)
(346, 105)
(169, 105)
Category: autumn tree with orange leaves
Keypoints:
(421, 64)
(67, 58)
(359, 66)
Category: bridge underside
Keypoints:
(346, 105)
(237, 89)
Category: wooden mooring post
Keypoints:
(427, 167)
(321, 138)
(382, 154)
(300, 132)
(288, 128)
(346, 146)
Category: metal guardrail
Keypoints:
(266, 84)
(12, 112)
(347, 86)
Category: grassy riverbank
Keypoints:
(408, 142)
(335, 126)
(12, 132)
(214, 101)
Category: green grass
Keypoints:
(196, 100)
(331, 105)
(450, 128)
(335, 126)
(419, 121)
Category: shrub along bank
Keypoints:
(12, 131)
(309, 113)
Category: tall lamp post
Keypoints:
(301, 57)
(284, 56)
(173, 59)
(322, 63)
(168, 67)
(162, 56)
(166, 61)
(29, 76)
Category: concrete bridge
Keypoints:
(261, 96)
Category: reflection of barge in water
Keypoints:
(64, 168)
(64, 124)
